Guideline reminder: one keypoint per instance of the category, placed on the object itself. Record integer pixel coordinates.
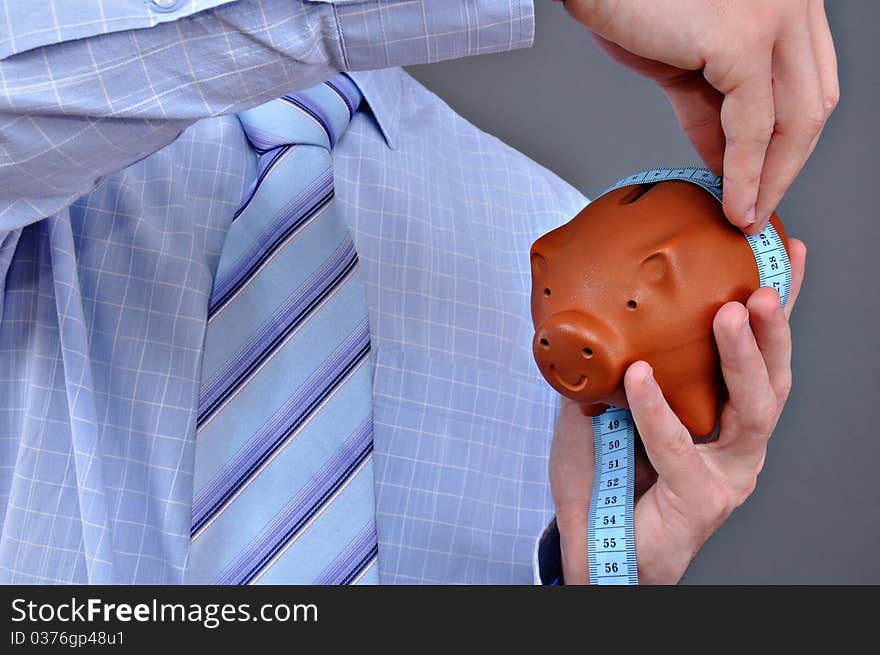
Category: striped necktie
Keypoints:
(283, 489)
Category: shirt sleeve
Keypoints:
(88, 87)
(547, 559)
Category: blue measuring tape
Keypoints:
(611, 544)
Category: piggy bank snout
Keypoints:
(578, 355)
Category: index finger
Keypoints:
(747, 117)
(667, 442)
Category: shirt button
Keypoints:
(164, 4)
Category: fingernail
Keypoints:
(745, 327)
(750, 216)
(648, 376)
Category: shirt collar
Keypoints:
(382, 90)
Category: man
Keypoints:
(124, 165)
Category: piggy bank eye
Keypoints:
(632, 305)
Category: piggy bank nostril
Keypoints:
(545, 343)
(587, 352)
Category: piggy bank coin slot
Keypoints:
(636, 193)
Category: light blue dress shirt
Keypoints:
(121, 165)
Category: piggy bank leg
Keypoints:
(593, 409)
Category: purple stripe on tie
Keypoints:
(289, 220)
(282, 425)
(266, 163)
(346, 90)
(353, 560)
(274, 331)
(314, 110)
(297, 513)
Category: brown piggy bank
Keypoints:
(639, 275)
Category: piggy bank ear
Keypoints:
(658, 270)
(539, 264)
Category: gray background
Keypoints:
(815, 516)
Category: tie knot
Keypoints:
(316, 116)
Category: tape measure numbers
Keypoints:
(774, 268)
(611, 546)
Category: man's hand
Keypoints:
(685, 491)
(752, 83)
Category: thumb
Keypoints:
(667, 442)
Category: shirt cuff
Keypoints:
(424, 32)
(547, 561)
